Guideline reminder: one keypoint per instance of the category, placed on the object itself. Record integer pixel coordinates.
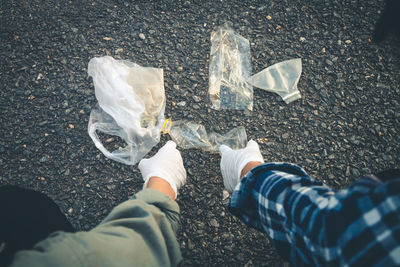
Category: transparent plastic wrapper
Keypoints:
(280, 78)
(230, 67)
(188, 134)
(131, 104)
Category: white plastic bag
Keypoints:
(131, 104)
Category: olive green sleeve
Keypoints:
(138, 232)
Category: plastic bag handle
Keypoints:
(92, 133)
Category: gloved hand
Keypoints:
(166, 164)
(233, 162)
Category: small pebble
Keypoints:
(214, 222)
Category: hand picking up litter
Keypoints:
(233, 162)
(168, 164)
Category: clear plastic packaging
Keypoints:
(131, 104)
(280, 78)
(187, 134)
(230, 67)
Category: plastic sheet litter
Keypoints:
(131, 104)
(230, 67)
(280, 78)
(230, 84)
(187, 134)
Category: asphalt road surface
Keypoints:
(345, 125)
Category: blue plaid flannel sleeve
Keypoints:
(311, 224)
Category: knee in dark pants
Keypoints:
(27, 217)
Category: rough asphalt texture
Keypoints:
(346, 125)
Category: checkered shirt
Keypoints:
(311, 224)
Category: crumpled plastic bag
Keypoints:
(280, 78)
(189, 134)
(230, 67)
(131, 105)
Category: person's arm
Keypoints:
(138, 232)
(248, 167)
(274, 194)
(311, 224)
(161, 185)
(278, 199)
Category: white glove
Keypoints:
(166, 164)
(233, 162)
